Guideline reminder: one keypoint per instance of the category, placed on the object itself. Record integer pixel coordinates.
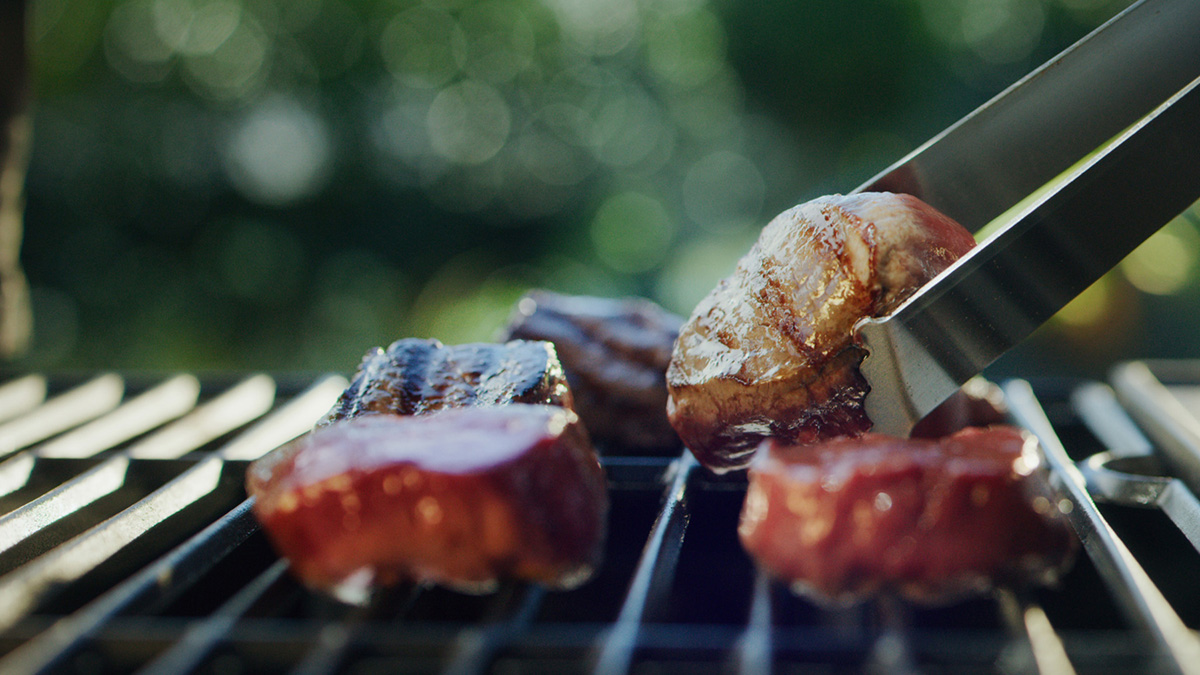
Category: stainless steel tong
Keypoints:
(1070, 169)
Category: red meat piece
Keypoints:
(460, 497)
(930, 520)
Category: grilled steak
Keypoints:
(615, 354)
(414, 376)
(771, 350)
(462, 497)
(930, 520)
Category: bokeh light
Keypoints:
(1092, 308)
(468, 122)
(597, 27)
(996, 31)
(685, 48)
(423, 47)
(632, 232)
(1165, 264)
(695, 268)
(720, 190)
(279, 152)
(285, 183)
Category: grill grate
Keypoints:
(127, 544)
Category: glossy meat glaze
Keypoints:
(771, 351)
(460, 497)
(615, 354)
(414, 376)
(929, 520)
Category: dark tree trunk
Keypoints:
(15, 130)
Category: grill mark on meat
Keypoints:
(614, 353)
(778, 307)
(768, 346)
(414, 376)
(412, 360)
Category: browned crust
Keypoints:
(772, 351)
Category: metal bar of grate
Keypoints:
(152, 586)
(222, 415)
(334, 641)
(182, 565)
(21, 395)
(475, 647)
(615, 652)
(77, 493)
(1174, 428)
(1040, 648)
(1099, 409)
(134, 417)
(285, 424)
(892, 651)
(754, 649)
(32, 583)
(264, 621)
(201, 637)
(330, 647)
(43, 578)
(1144, 604)
(65, 411)
(239, 405)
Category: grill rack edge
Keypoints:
(130, 548)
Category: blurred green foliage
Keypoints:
(282, 184)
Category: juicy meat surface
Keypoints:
(414, 376)
(462, 497)
(978, 403)
(930, 520)
(771, 350)
(615, 354)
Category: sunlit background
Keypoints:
(282, 184)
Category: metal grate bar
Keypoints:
(1048, 651)
(239, 405)
(1177, 434)
(21, 395)
(222, 415)
(334, 641)
(1098, 408)
(1100, 411)
(42, 578)
(199, 640)
(475, 647)
(133, 418)
(615, 652)
(39, 579)
(1144, 604)
(1039, 648)
(16, 471)
(330, 648)
(754, 648)
(62, 501)
(81, 404)
(296, 417)
(153, 585)
(1173, 427)
(892, 651)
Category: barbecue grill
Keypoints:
(127, 544)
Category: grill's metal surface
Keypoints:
(127, 545)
